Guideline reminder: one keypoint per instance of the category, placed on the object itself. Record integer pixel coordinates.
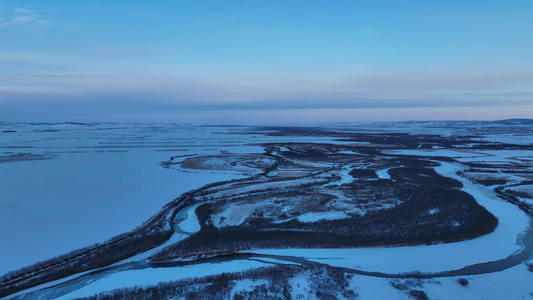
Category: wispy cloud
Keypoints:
(22, 19)
(24, 16)
(101, 84)
(23, 10)
(43, 23)
(256, 91)
(156, 91)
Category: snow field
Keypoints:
(317, 216)
(247, 285)
(519, 139)
(275, 185)
(104, 193)
(383, 173)
(146, 277)
(492, 156)
(377, 288)
(440, 152)
(300, 287)
(79, 199)
(233, 214)
(513, 283)
(105, 180)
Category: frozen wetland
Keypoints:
(70, 186)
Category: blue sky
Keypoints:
(265, 61)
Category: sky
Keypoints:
(261, 61)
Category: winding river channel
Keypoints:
(186, 223)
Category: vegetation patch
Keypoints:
(426, 215)
(285, 282)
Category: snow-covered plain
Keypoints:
(492, 156)
(105, 180)
(514, 283)
(98, 184)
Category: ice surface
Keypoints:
(105, 180)
(514, 283)
(317, 216)
(191, 223)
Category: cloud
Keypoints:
(50, 83)
(22, 10)
(28, 18)
(43, 23)
(22, 20)
(256, 91)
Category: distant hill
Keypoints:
(514, 122)
(506, 122)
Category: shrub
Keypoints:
(529, 266)
(418, 295)
(463, 281)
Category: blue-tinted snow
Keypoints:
(105, 180)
